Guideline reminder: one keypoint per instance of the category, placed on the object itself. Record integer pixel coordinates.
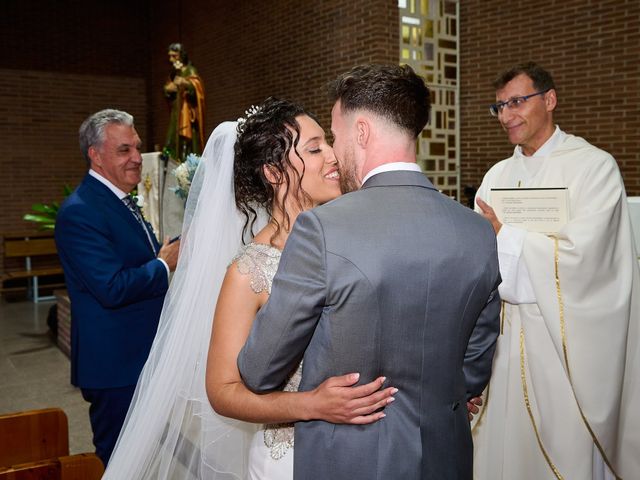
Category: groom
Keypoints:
(395, 279)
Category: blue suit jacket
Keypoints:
(116, 286)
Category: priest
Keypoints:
(566, 374)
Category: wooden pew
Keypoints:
(34, 445)
(27, 246)
(83, 466)
(33, 435)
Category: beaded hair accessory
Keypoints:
(248, 113)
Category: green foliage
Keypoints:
(46, 214)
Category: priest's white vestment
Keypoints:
(565, 389)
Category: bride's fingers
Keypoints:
(339, 402)
(374, 402)
(343, 380)
(374, 408)
(377, 398)
(374, 398)
(366, 419)
(368, 388)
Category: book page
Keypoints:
(543, 210)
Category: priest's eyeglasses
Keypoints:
(513, 103)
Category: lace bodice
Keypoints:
(260, 262)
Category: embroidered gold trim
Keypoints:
(566, 358)
(525, 391)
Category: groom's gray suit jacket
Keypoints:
(398, 280)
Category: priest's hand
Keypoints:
(489, 214)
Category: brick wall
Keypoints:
(76, 36)
(246, 51)
(39, 118)
(63, 60)
(591, 48)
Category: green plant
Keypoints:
(46, 214)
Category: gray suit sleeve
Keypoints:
(478, 358)
(285, 324)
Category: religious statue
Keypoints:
(185, 90)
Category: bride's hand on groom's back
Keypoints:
(336, 401)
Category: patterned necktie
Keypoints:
(133, 208)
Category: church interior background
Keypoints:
(64, 60)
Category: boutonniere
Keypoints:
(138, 199)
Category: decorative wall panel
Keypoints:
(429, 43)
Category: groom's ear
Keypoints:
(363, 129)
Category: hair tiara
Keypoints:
(248, 113)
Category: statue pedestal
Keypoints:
(162, 208)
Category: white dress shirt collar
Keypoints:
(116, 191)
(392, 167)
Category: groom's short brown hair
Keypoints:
(395, 92)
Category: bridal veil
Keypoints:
(171, 430)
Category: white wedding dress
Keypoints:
(171, 432)
(271, 448)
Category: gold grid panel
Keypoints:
(429, 43)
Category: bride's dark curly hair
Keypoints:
(265, 138)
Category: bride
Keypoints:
(255, 175)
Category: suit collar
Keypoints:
(98, 187)
(399, 178)
(116, 205)
(392, 167)
(116, 191)
(110, 199)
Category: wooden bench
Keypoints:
(34, 445)
(26, 247)
(33, 435)
(82, 466)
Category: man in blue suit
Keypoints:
(116, 273)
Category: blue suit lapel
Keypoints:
(120, 210)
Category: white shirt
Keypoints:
(121, 195)
(116, 191)
(392, 167)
